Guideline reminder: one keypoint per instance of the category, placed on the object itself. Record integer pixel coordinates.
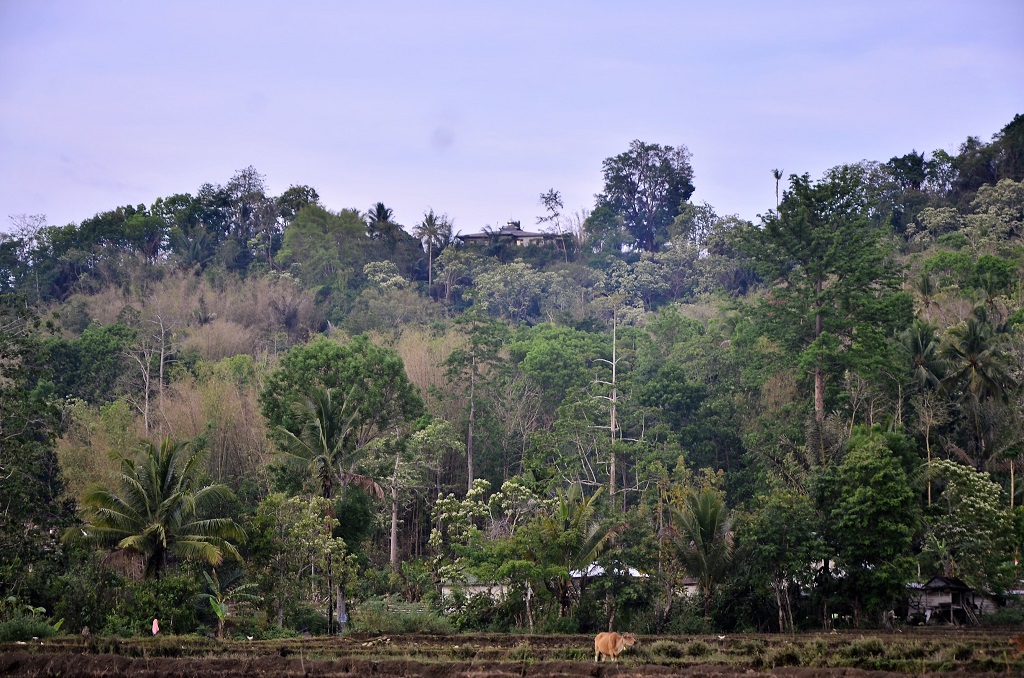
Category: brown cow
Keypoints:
(611, 644)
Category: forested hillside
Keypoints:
(258, 414)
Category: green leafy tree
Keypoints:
(162, 509)
(510, 291)
(568, 538)
(378, 394)
(325, 249)
(922, 345)
(382, 227)
(472, 368)
(832, 295)
(969, 533)
(781, 542)
(980, 371)
(31, 483)
(326, 441)
(645, 187)
(870, 511)
(287, 535)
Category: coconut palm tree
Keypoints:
(569, 538)
(979, 369)
(703, 539)
(381, 225)
(979, 364)
(327, 441)
(926, 288)
(927, 368)
(436, 232)
(162, 509)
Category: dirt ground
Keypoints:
(109, 666)
(846, 655)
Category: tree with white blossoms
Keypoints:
(292, 550)
(456, 530)
(969, 533)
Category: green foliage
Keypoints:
(327, 250)
(26, 627)
(704, 542)
(31, 485)
(171, 599)
(969, 530)
(371, 380)
(644, 188)
(289, 548)
(832, 278)
(871, 518)
(162, 508)
(382, 616)
(222, 597)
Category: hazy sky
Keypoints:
(475, 108)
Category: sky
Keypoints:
(473, 109)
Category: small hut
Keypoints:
(946, 600)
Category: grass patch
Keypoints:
(784, 655)
(669, 649)
(698, 648)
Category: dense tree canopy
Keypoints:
(798, 417)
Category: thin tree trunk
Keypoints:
(472, 419)
(614, 413)
(394, 517)
(928, 448)
(341, 612)
(529, 606)
(819, 375)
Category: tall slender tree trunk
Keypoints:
(778, 601)
(472, 420)
(819, 372)
(613, 423)
(928, 449)
(394, 517)
(341, 609)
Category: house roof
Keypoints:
(595, 570)
(942, 583)
(509, 230)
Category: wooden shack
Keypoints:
(946, 600)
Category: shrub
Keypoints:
(172, 600)
(698, 648)
(666, 648)
(521, 653)
(567, 624)
(577, 654)
(378, 616)
(1006, 616)
(786, 655)
(863, 647)
(307, 618)
(26, 627)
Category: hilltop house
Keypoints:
(510, 232)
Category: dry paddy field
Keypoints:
(917, 652)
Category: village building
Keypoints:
(510, 232)
(946, 600)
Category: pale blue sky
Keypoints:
(475, 108)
